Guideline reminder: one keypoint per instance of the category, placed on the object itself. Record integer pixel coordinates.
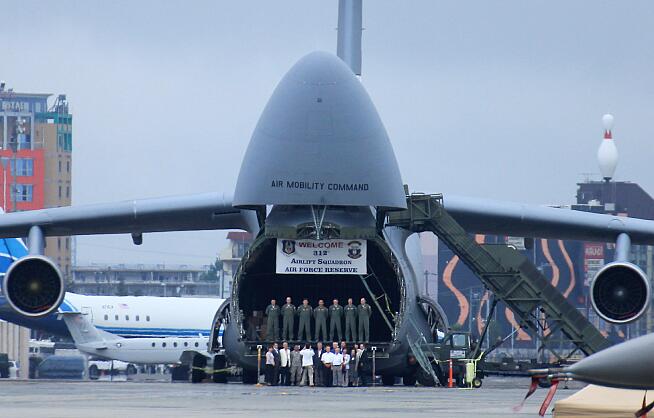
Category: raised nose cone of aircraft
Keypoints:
(320, 141)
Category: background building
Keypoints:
(238, 243)
(144, 280)
(36, 157)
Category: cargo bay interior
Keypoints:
(258, 284)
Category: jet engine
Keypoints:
(620, 292)
(33, 286)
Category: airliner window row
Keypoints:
(186, 344)
(137, 318)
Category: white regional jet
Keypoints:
(159, 350)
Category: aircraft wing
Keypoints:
(515, 219)
(176, 213)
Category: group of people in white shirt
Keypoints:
(336, 365)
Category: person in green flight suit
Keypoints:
(320, 314)
(335, 320)
(350, 321)
(272, 330)
(305, 312)
(288, 320)
(364, 312)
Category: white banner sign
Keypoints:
(336, 256)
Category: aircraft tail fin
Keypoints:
(84, 332)
(348, 48)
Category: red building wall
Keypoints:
(37, 180)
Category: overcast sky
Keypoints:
(497, 99)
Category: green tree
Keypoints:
(213, 273)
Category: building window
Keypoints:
(67, 191)
(59, 243)
(67, 243)
(22, 167)
(22, 193)
(68, 166)
(59, 192)
(60, 166)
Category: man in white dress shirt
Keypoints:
(327, 360)
(337, 368)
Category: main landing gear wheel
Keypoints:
(388, 380)
(409, 380)
(425, 378)
(250, 378)
(476, 383)
(197, 373)
(219, 365)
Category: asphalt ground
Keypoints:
(41, 398)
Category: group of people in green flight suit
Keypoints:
(356, 318)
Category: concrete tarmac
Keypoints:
(39, 398)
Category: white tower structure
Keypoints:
(607, 154)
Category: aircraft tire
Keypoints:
(219, 364)
(180, 373)
(425, 378)
(409, 380)
(250, 378)
(94, 373)
(388, 380)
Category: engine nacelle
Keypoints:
(620, 292)
(34, 286)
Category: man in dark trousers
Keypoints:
(305, 312)
(272, 330)
(288, 320)
(285, 365)
(365, 366)
(327, 359)
(318, 366)
(350, 311)
(278, 363)
(335, 320)
(320, 314)
(364, 311)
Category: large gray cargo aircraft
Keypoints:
(319, 166)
